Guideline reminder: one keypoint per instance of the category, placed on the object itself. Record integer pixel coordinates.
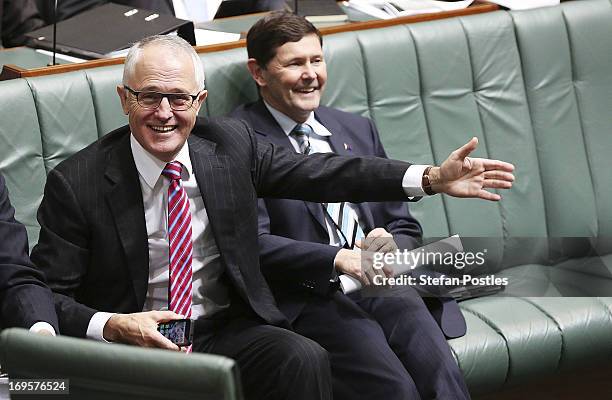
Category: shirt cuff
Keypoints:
(42, 326)
(413, 179)
(95, 329)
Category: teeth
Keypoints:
(163, 128)
(309, 90)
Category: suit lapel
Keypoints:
(214, 179)
(264, 124)
(124, 198)
(339, 140)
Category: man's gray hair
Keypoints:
(173, 44)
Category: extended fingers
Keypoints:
(483, 194)
(499, 175)
(496, 184)
(492, 165)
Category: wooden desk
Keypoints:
(25, 57)
(11, 71)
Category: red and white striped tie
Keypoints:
(181, 247)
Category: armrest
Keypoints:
(116, 371)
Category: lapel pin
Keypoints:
(347, 147)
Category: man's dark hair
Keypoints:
(273, 31)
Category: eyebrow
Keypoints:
(302, 58)
(156, 89)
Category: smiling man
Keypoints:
(158, 220)
(380, 347)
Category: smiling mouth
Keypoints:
(306, 90)
(163, 128)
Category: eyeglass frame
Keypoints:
(136, 93)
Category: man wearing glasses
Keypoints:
(162, 214)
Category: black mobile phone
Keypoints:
(180, 331)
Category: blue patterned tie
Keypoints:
(347, 222)
(301, 133)
(344, 217)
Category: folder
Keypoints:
(101, 31)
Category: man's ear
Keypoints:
(200, 100)
(124, 100)
(256, 72)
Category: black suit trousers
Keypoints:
(294, 366)
(387, 347)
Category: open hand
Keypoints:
(463, 176)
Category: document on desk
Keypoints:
(60, 56)
(400, 8)
(412, 260)
(525, 4)
(206, 36)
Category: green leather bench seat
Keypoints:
(534, 86)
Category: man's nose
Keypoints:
(309, 72)
(164, 111)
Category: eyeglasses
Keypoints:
(152, 100)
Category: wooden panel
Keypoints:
(11, 71)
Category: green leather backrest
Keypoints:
(228, 81)
(394, 101)
(107, 107)
(65, 113)
(21, 152)
(567, 59)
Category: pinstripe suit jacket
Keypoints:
(93, 239)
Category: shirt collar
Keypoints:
(150, 167)
(287, 124)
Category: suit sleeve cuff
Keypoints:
(412, 181)
(95, 329)
(42, 326)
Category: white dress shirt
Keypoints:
(209, 295)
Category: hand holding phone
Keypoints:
(179, 331)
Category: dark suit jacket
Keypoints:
(294, 242)
(93, 240)
(24, 298)
(17, 17)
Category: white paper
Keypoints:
(205, 37)
(432, 4)
(525, 4)
(400, 8)
(61, 56)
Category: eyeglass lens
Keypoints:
(178, 101)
